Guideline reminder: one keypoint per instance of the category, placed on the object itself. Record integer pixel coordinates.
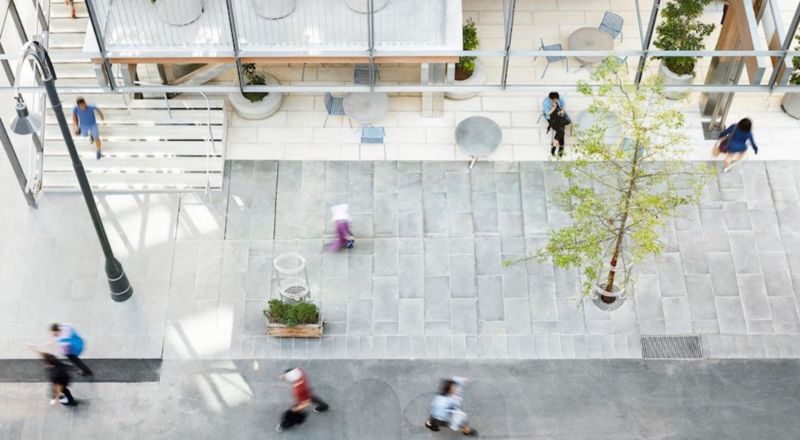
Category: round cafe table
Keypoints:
(366, 108)
(590, 38)
(478, 136)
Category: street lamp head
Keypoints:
(24, 123)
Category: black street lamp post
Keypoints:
(121, 289)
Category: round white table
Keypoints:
(478, 136)
(366, 108)
(590, 38)
(585, 120)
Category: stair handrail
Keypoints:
(210, 144)
(41, 33)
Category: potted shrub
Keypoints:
(469, 70)
(791, 100)
(681, 30)
(273, 9)
(295, 320)
(178, 12)
(622, 190)
(256, 105)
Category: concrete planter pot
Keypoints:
(673, 79)
(361, 6)
(478, 78)
(273, 9)
(261, 109)
(791, 104)
(179, 12)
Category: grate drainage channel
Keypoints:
(671, 347)
(105, 370)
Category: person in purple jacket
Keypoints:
(739, 133)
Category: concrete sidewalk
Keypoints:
(388, 400)
(425, 279)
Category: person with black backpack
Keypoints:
(303, 398)
(59, 376)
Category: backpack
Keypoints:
(73, 344)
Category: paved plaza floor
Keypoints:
(530, 400)
(425, 279)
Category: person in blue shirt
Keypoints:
(85, 124)
(446, 408)
(740, 133)
(551, 104)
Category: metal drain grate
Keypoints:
(671, 347)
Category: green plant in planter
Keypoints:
(682, 30)
(254, 78)
(291, 315)
(795, 78)
(466, 65)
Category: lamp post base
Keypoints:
(121, 289)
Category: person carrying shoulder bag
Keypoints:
(733, 143)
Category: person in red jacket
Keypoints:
(303, 398)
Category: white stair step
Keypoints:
(138, 164)
(68, 25)
(66, 40)
(148, 117)
(129, 181)
(152, 133)
(66, 70)
(141, 149)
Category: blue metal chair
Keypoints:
(334, 106)
(361, 73)
(624, 62)
(552, 59)
(372, 135)
(612, 24)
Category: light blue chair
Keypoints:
(612, 24)
(334, 106)
(372, 135)
(552, 58)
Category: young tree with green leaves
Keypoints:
(628, 179)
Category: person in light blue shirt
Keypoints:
(85, 124)
(551, 104)
(446, 408)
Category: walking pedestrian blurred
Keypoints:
(340, 216)
(59, 377)
(733, 142)
(71, 345)
(303, 398)
(71, 4)
(446, 408)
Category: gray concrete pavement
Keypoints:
(599, 399)
(425, 279)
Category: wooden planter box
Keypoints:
(298, 331)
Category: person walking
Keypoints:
(446, 408)
(303, 398)
(340, 216)
(71, 4)
(733, 142)
(71, 345)
(85, 123)
(59, 377)
(554, 112)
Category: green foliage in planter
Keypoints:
(621, 190)
(291, 315)
(682, 30)
(795, 78)
(254, 78)
(471, 42)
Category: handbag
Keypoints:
(724, 144)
